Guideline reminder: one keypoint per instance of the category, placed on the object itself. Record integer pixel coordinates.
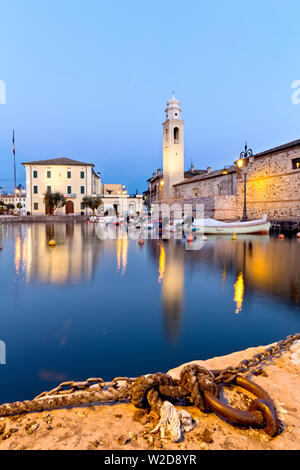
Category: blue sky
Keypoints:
(89, 80)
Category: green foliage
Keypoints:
(54, 201)
(92, 202)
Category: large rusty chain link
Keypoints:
(196, 384)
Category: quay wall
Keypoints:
(41, 218)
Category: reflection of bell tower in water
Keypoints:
(173, 148)
(172, 290)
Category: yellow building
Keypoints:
(73, 179)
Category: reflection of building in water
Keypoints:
(169, 257)
(73, 259)
(273, 268)
(122, 254)
(265, 264)
(162, 263)
(172, 289)
(239, 292)
(20, 252)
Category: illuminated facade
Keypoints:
(273, 183)
(73, 179)
(116, 200)
(173, 148)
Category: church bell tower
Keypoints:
(173, 148)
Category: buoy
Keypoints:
(190, 238)
(52, 242)
(204, 238)
(298, 235)
(141, 242)
(281, 236)
(234, 236)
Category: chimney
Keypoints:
(192, 168)
(208, 169)
(154, 175)
(159, 172)
(99, 175)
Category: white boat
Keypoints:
(115, 220)
(217, 227)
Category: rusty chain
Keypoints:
(196, 384)
(228, 374)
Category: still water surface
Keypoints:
(89, 308)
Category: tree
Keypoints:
(19, 206)
(92, 202)
(10, 207)
(2, 207)
(54, 201)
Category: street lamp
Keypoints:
(240, 163)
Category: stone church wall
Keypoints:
(220, 185)
(215, 207)
(273, 186)
(225, 207)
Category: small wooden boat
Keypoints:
(217, 227)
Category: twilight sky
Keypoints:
(89, 80)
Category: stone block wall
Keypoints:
(208, 203)
(219, 185)
(273, 186)
(215, 207)
(225, 207)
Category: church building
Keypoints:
(272, 178)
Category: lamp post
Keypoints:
(240, 163)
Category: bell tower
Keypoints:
(173, 148)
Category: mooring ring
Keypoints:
(262, 412)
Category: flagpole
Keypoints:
(15, 171)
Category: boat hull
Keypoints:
(262, 228)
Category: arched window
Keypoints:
(176, 135)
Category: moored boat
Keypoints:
(217, 227)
